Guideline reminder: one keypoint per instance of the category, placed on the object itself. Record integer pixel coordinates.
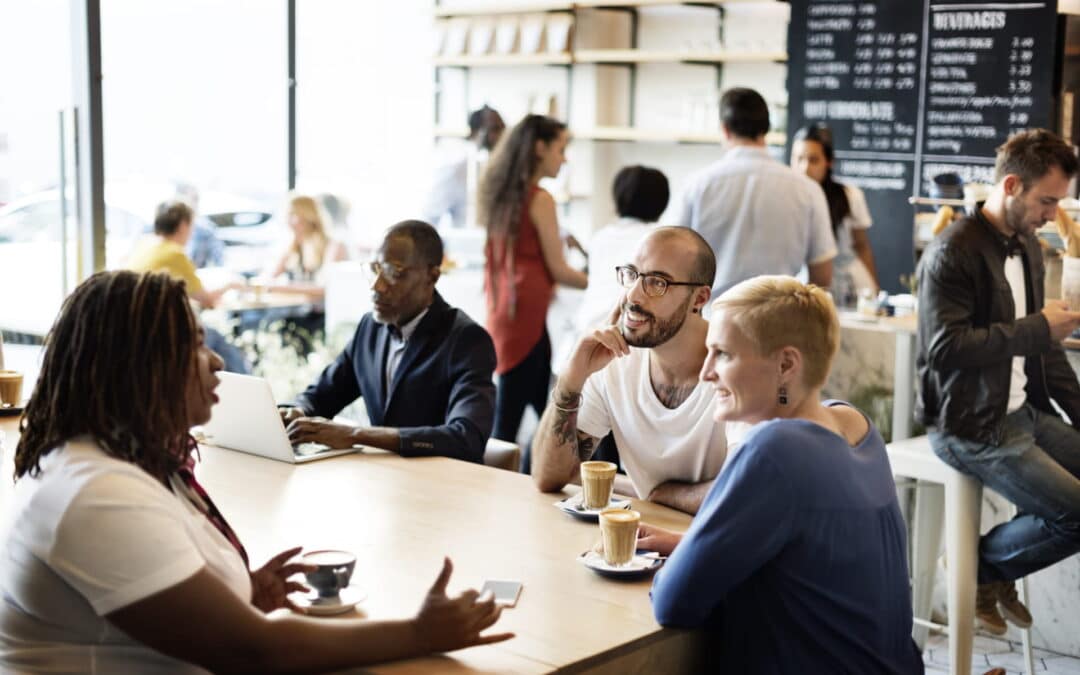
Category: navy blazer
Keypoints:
(442, 398)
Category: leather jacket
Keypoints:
(968, 334)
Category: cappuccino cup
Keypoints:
(618, 531)
(597, 481)
(334, 570)
(11, 387)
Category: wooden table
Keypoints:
(400, 516)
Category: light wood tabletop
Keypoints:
(401, 516)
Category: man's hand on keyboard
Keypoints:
(321, 430)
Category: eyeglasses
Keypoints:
(388, 271)
(654, 285)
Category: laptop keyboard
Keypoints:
(307, 449)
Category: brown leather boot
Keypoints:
(1010, 605)
(987, 616)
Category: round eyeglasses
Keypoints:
(654, 285)
(388, 271)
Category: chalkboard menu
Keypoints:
(915, 88)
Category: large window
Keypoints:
(364, 116)
(35, 86)
(195, 95)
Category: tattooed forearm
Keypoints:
(673, 396)
(565, 423)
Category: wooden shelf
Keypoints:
(542, 59)
(526, 8)
(448, 132)
(608, 56)
(648, 56)
(634, 134)
(488, 9)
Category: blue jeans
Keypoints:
(1037, 468)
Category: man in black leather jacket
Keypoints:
(990, 362)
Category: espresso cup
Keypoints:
(597, 481)
(334, 570)
(10, 387)
(618, 531)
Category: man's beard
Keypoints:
(1016, 216)
(660, 331)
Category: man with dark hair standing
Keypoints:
(457, 169)
(423, 368)
(759, 215)
(990, 362)
(638, 379)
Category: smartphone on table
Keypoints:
(506, 592)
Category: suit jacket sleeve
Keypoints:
(470, 409)
(947, 307)
(337, 386)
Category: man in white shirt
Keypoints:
(639, 380)
(759, 215)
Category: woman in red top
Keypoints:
(524, 261)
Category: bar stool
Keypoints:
(944, 494)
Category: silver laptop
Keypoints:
(247, 419)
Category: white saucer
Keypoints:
(349, 597)
(573, 506)
(643, 563)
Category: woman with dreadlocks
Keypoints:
(523, 262)
(116, 559)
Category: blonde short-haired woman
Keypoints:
(797, 559)
(311, 246)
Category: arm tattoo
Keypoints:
(565, 425)
(672, 396)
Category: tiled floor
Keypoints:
(994, 653)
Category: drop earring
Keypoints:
(782, 395)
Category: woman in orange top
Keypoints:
(524, 261)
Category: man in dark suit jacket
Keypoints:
(423, 368)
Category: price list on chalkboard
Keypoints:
(989, 70)
(917, 88)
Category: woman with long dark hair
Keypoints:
(117, 560)
(853, 269)
(524, 261)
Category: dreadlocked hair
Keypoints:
(116, 368)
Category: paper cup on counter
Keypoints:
(1070, 281)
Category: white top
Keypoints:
(858, 218)
(398, 343)
(90, 535)
(656, 444)
(760, 216)
(1014, 274)
(611, 246)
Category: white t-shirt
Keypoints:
(89, 535)
(656, 444)
(759, 216)
(1014, 274)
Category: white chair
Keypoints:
(502, 455)
(945, 494)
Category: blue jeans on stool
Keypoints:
(1037, 468)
